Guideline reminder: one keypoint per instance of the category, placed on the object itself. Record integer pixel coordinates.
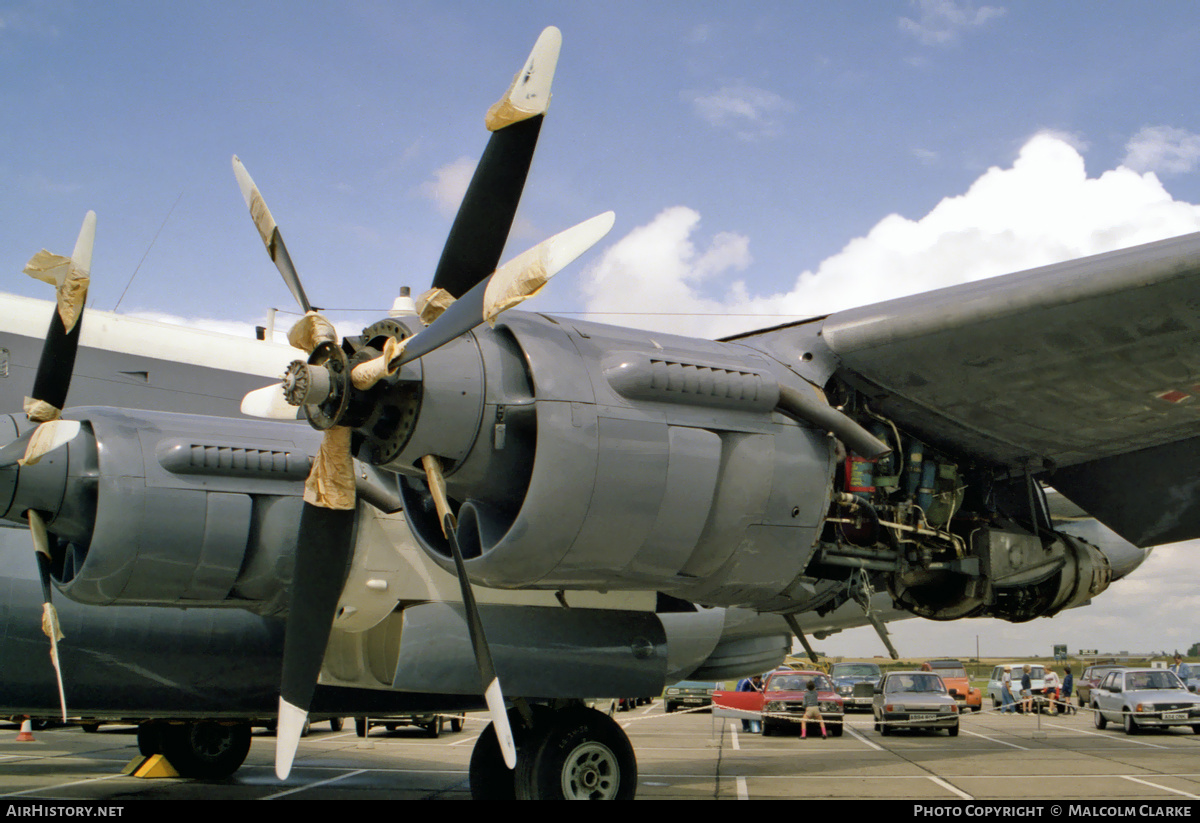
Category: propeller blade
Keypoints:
(269, 232)
(268, 403)
(36, 443)
(485, 216)
(322, 556)
(70, 278)
(492, 693)
(41, 550)
(515, 281)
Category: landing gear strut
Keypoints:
(573, 753)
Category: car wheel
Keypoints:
(336, 723)
(456, 723)
(953, 730)
(670, 707)
(884, 729)
(360, 726)
(1196, 729)
(1100, 720)
(434, 727)
(838, 727)
(1131, 726)
(767, 728)
(995, 703)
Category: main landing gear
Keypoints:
(570, 753)
(205, 749)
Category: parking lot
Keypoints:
(690, 756)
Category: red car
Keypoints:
(781, 702)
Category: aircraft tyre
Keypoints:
(490, 779)
(205, 748)
(336, 723)
(434, 727)
(149, 737)
(580, 755)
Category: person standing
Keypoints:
(1068, 685)
(812, 711)
(1026, 690)
(751, 684)
(1050, 690)
(1006, 696)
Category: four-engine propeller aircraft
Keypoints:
(905, 444)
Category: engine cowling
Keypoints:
(587, 456)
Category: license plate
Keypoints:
(922, 716)
(1174, 716)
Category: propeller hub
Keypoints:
(306, 385)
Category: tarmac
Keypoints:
(681, 756)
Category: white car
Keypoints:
(1145, 698)
(1037, 674)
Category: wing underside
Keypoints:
(1086, 373)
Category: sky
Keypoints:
(766, 161)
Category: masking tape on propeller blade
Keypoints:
(310, 331)
(39, 411)
(69, 280)
(330, 484)
(505, 292)
(365, 375)
(432, 303)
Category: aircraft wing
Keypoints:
(1081, 372)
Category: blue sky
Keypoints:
(765, 159)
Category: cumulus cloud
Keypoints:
(449, 184)
(1163, 150)
(1043, 209)
(750, 112)
(942, 22)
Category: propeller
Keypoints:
(70, 277)
(468, 290)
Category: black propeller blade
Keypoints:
(70, 277)
(484, 218)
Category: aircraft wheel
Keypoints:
(456, 723)
(149, 737)
(489, 778)
(582, 755)
(336, 723)
(1100, 720)
(90, 728)
(206, 749)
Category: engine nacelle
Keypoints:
(586, 456)
(168, 509)
(1007, 574)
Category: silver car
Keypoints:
(1145, 698)
(914, 700)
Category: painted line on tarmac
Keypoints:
(1157, 786)
(1108, 735)
(961, 794)
(733, 732)
(308, 786)
(994, 740)
(63, 785)
(862, 737)
(743, 792)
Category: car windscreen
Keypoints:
(855, 670)
(1148, 681)
(798, 683)
(915, 683)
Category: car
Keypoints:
(1089, 680)
(1037, 674)
(691, 694)
(1143, 699)
(431, 723)
(847, 678)
(914, 700)
(783, 701)
(954, 675)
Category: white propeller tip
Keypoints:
(269, 403)
(287, 737)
